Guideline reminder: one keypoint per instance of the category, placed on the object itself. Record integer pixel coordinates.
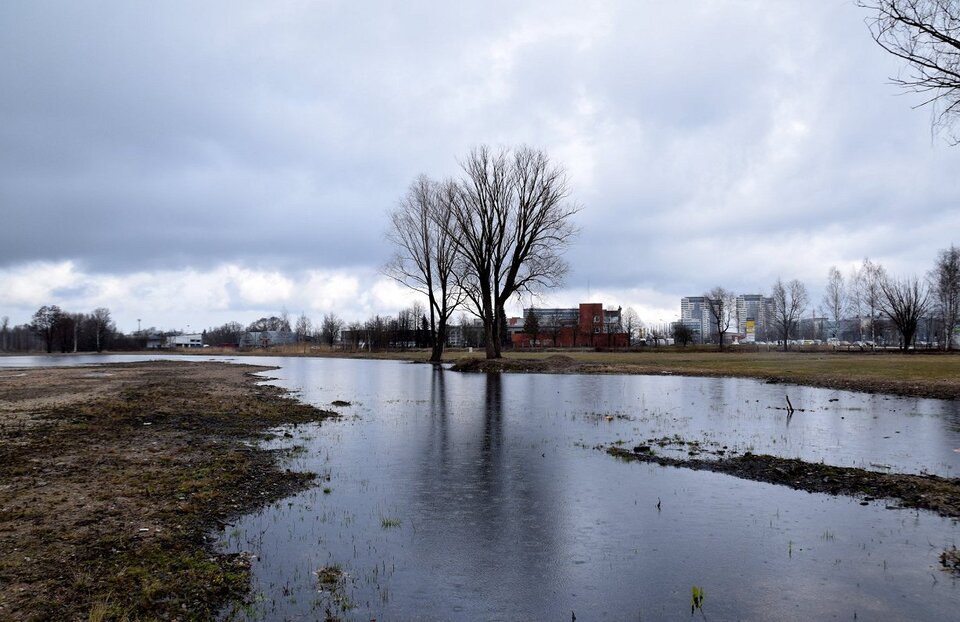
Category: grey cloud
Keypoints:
(144, 136)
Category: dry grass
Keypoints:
(109, 483)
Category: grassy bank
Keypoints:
(112, 478)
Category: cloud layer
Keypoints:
(206, 162)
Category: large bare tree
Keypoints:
(835, 298)
(945, 288)
(789, 302)
(722, 307)
(925, 34)
(511, 222)
(868, 279)
(426, 253)
(904, 302)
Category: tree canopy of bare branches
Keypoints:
(330, 328)
(102, 325)
(722, 306)
(835, 298)
(511, 222)
(925, 34)
(866, 286)
(426, 254)
(945, 288)
(789, 302)
(904, 302)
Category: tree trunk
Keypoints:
(436, 354)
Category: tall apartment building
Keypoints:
(754, 317)
(752, 321)
(695, 315)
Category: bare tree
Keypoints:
(4, 330)
(281, 324)
(682, 334)
(101, 326)
(904, 302)
(426, 252)
(789, 302)
(45, 323)
(511, 222)
(835, 298)
(331, 326)
(925, 34)
(945, 288)
(631, 324)
(868, 280)
(226, 335)
(302, 328)
(722, 307)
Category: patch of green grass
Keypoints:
(389, 523)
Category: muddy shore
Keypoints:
(112, 478)
(927, 492)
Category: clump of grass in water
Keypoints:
(950, 559)
(329, 576)
(389, 523)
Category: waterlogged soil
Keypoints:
(112, 478)
(935, 387)
(926, 492)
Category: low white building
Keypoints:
(184, 341)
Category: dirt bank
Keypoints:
(112, 477)
(928, 492)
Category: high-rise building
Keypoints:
(754, 317)
(695, 315)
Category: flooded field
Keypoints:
(458, 496)
(454, 496)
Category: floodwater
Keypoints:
(447, 496)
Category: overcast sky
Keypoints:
(190, 164)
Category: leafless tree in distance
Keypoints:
(330, 328)
(789, 302)
(904, 302)
(426, 253)
(835, 299)
(945, 288)
(722, 307)
(101, 325)
(925, 34)
(511, 222)
(869, 278)
(302, 328)
(631, 324)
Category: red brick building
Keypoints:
(586, 326)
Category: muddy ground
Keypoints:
(112, 478)
(927, 492)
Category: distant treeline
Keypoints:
(54, 330)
